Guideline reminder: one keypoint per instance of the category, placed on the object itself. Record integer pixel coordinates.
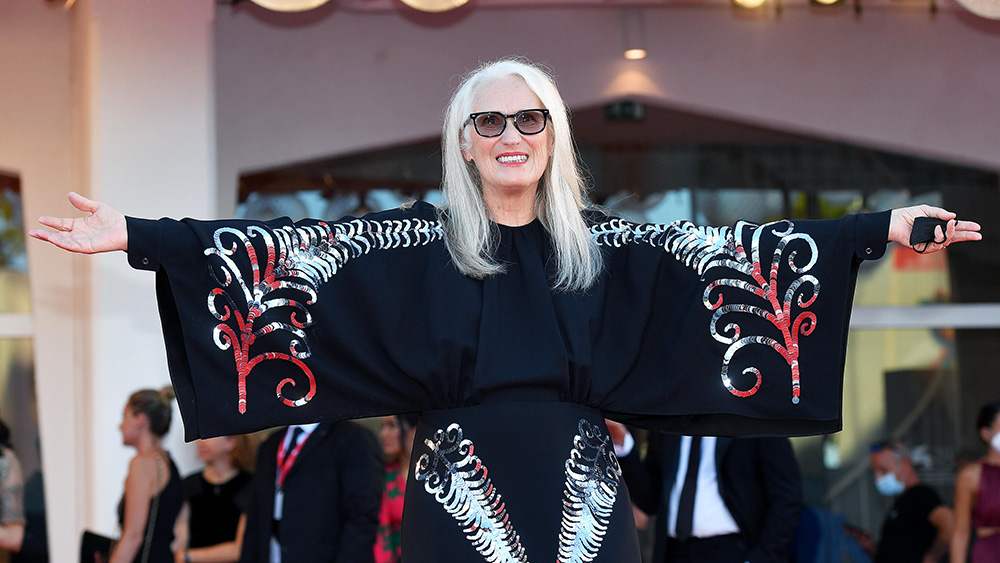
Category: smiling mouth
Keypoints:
(511, 159)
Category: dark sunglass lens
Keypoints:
(531, 121)
(489, 124)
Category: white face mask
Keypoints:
(889, 485)
(995, 442)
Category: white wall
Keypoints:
(113, 99)
(36, 143)
(894, 78)
(151, 141)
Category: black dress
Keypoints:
(731, 332)
(215, 509)
(160, 521)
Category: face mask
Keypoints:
(995, 442)
(889, 485)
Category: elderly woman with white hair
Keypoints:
(514, 317)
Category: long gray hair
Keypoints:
(470, 236)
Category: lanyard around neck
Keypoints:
(287, 460)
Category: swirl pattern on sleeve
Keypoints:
(298, 260)
(706, 248)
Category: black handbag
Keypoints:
(93, 546)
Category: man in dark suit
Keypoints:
(739, 502)
(317, 489)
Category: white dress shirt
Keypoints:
(711, 517)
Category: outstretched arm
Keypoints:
(901, 223)
(103, 230)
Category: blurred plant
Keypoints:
(12, 252)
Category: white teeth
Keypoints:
(512, 158)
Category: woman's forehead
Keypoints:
(508, 94)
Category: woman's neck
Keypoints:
(219, 471)
(404, 466)
(510, 206)
(149, 444)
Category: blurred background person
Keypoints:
(216, 499)
(316, 493)
(722, 500)
(11, 497)
(396, 436)
(152, 500)
(918, 526)
(977, 496)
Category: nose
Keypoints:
(510, 133)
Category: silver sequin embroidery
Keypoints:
(460, 482)
(705, 248)
(592, 478)
(299, 259)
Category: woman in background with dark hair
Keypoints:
(148, 510)
(977, 496)
(216, 499)
(396, 436)
(11, 496)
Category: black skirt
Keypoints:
(516, 481)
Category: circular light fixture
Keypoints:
(635, 54)
(434, 5)
(289, 5)
(749, 4)
(989, 9)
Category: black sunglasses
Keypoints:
(493, 123)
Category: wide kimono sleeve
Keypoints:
(730, 331)
(276, 323)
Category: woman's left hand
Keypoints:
(901, 223)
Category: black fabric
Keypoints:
(922, 232)
(717, 549)
(383, 321)
(331, 498)
(167, 508)
(215, 509)
(626, 346)
(94, 546)
(522, 450)
(907, 533)
(759, 482)
(685, 505)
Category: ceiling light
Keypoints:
(290, 5)
(434, 5)
(633, 35)
(749, 4)
(989, 9)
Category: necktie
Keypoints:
(685, 507)
(296, 434)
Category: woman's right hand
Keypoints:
(103, 230)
